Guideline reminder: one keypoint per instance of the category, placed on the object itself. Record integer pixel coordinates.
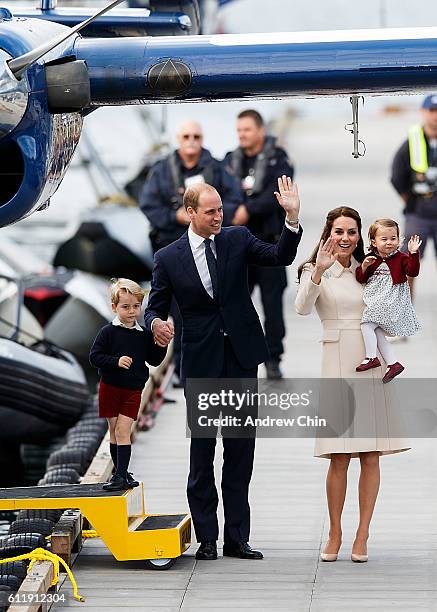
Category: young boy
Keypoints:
(120, 351)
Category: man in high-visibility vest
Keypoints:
(414, 176)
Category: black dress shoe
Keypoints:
(117, 483)
(131, 480)
(207, 551)
(241, 550)
(273, 370)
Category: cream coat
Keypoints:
(339, 303)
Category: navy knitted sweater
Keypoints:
(114, 341)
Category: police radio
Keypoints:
(426, 183)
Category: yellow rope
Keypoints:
(89, 533)
(86, 533)
(40, 554)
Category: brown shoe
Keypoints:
(392, 370)
(371, 363)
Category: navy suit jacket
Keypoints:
(205, 319)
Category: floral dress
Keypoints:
(389, 305)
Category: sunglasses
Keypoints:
(194, 136)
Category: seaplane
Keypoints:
(57, 66)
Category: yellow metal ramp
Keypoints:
(118, 517)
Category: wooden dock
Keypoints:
(289, 518)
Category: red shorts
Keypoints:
(115, 400)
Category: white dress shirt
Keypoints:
(116, 321)
(197, 245)
(198, 249)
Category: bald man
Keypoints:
(162, 196)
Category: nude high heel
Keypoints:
(359, 558)
(328, 556)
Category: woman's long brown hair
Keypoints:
(335, 213)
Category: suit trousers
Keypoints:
(272, 282)
(238, 456)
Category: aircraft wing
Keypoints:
(123, 22)
(247, 66)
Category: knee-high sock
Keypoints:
(369, 337)
(384, 347)
(113, 451)
(123, 458)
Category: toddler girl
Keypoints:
(388, 308)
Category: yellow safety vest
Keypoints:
(418, 150)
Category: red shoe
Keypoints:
(372, 363)
(392, 370)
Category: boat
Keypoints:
(71, 307)
(112, 240)
(64, 307)
(43, 392)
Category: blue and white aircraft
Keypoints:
(53, 75)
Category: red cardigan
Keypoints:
(400, 265)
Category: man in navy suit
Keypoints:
(206, 271)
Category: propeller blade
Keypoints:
(19, 65)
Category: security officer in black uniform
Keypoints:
(163, 192)
(414, 176)
(258, 163)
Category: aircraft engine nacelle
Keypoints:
(39, 126)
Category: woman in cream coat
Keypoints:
(327, 281)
